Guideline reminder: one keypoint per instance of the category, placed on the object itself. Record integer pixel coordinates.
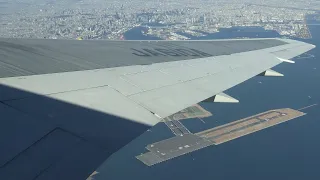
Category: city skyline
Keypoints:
(97, 19)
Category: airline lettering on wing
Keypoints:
(169, 52)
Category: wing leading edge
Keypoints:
(140, 81)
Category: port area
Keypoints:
(187, 142)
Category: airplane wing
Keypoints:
(67, 105)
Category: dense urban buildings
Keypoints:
(101, 19)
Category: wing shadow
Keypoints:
(44, 138)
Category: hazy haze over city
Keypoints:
(101, 19)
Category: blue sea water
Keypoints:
(290, 150)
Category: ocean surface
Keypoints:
(290, 150)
